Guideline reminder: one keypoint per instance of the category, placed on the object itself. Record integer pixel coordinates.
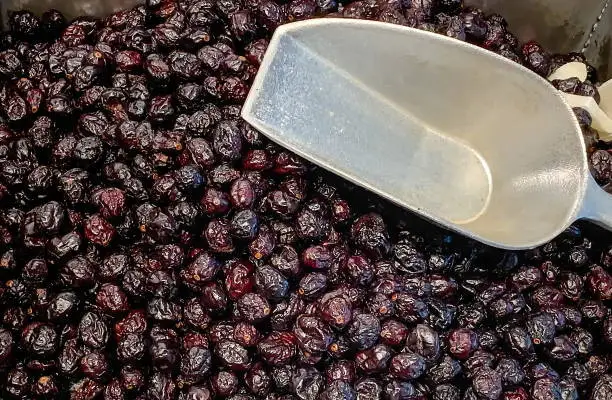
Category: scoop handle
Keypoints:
(597, 205)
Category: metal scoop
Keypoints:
(455, 133)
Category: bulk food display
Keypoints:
(154, 246)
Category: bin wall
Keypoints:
(559, 25)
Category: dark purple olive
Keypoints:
(153, 245)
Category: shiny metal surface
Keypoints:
(450, 131)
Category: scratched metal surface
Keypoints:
(335, 103)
